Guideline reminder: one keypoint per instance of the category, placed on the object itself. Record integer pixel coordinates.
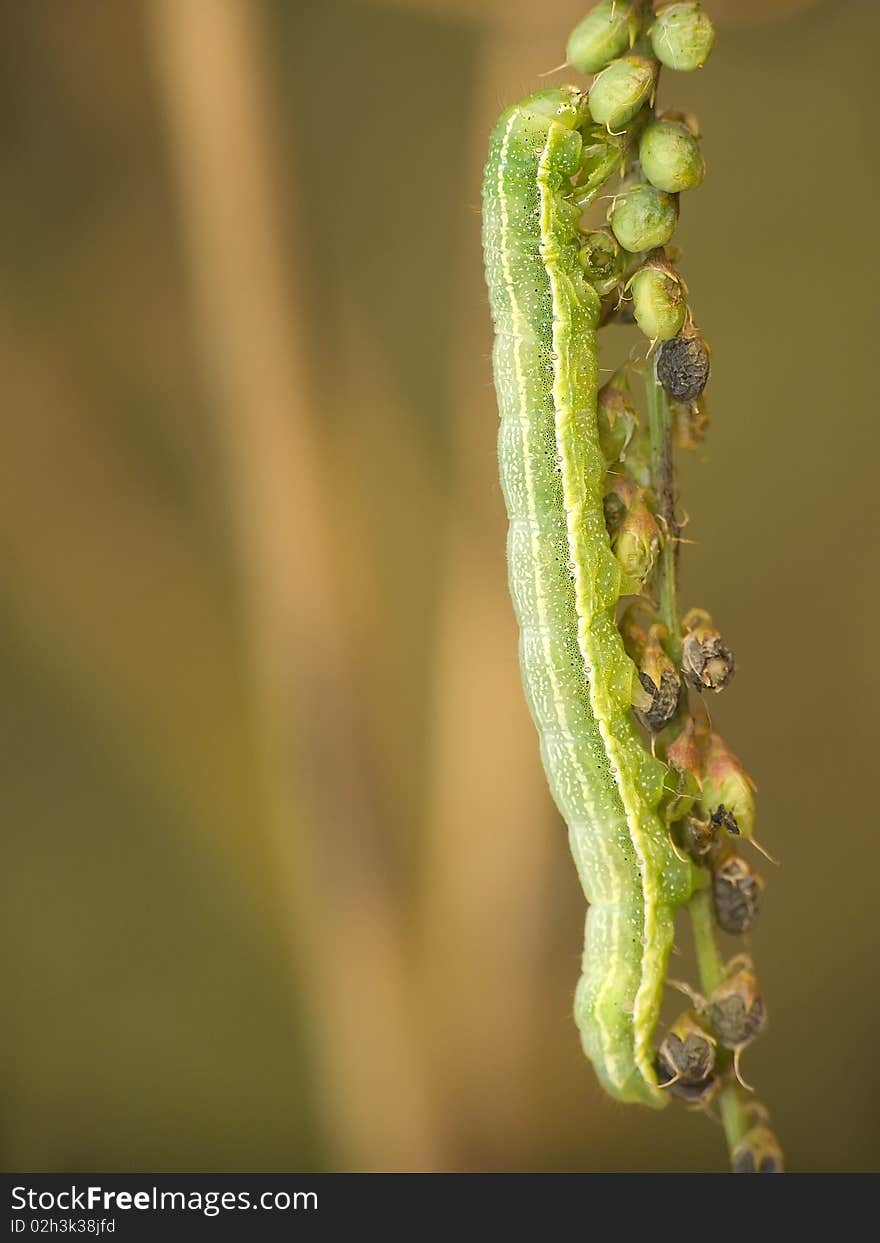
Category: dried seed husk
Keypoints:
(702, 1093)
(688, 1051)
(758, 1152)
(736, 894)
(683, 363)
(736, 1012)
(660, 682)
(706, 662)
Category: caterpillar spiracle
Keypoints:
(565, 582)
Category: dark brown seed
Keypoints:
(683, 367)
(664, 700)
(721, 818)
(736, 1010)
(758, 1152)
(687, 1052)
(736, 892)
(694, 1093)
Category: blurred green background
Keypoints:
(282, 886)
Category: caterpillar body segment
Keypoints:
(565, 582)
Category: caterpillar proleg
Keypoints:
(566, 581)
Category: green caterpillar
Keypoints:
(565, 582)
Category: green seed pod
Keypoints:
(727, 793)
(687, 1053)
(636, 545)
(683, 365)
(643, 217)
(682, 36)
(617, 417)
(636, 458)
(736, 1010)
(705, 661)
(659, 300)
(621, 90)
(660, 682)
(685, 760)
(606, 32)
(736, 893)
(758, 1152)
(670, 156)
(602, 260)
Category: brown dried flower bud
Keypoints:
(702, 1093)
(705, 661)
(736, 893)
(687, 1053)
(685, 760)
(758, 1152)
(727, 793)
(736, 1010)
(683, 365)
(659, 681)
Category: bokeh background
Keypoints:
(282, 885)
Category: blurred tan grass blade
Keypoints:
(490, 839)
(370, 1088)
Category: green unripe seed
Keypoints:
(643, 218)
(606, 32)
(670, 156)
(636, 545)
(621, 90)
(602, 260)
(659, 304)
(682, 36)
(616, 417)
(602, 157)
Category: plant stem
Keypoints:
(709, 963)
(663, 480)
(711, 971)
